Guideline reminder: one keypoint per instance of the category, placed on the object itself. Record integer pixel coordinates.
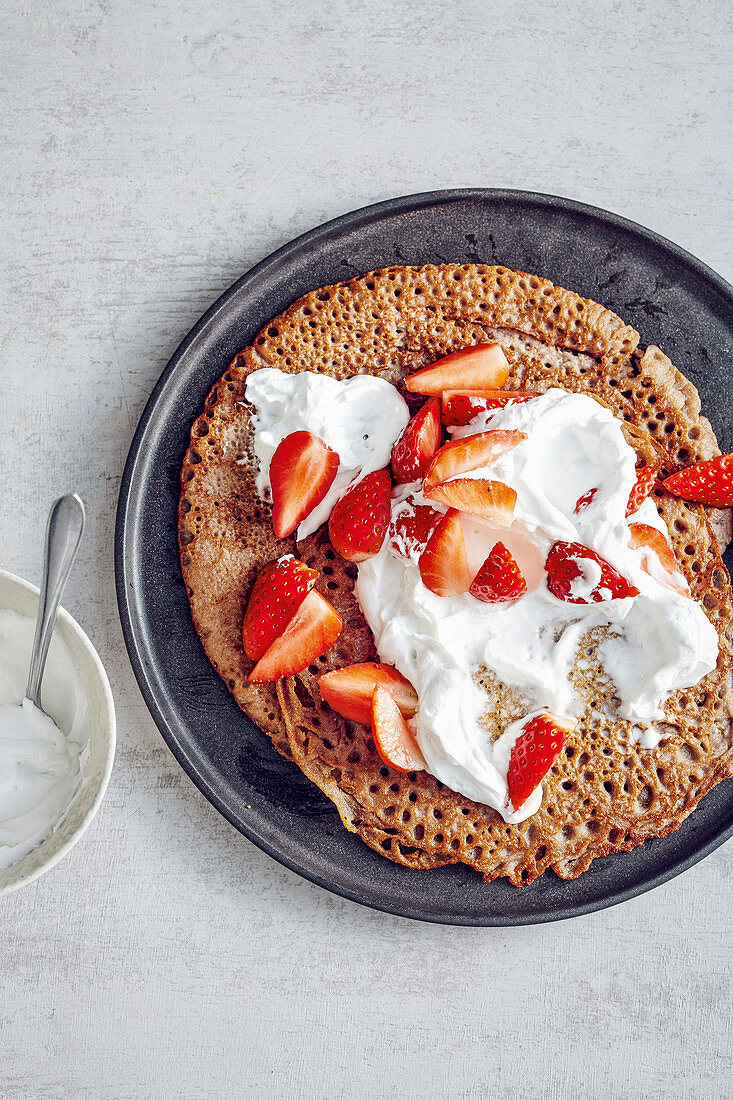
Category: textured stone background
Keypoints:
(152, 152)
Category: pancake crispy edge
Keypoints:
(604, 794)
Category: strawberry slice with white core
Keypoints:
(477, 368)
(413, 452)
(499, 579)
(470, 453)
(393, 739)
(276, 595)
(646, 479)
(359, 521)
(576, 574)
(708, 482)
(489, 499)
(647, 538)
(459, 407)
(443, 563)
(349, 690)
(312, 630)
(302, 471)
(533, 754)
(411, 528)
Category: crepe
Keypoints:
(604, 793)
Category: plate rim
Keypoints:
(134, 642)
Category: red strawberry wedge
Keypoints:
(477, 368)
(461, 455)
(313, 629)
(644, 537)
(276, 595)
(489, 499)
(411, 528)
(576, 574)
(709, 482)
(393, 738)
(499, 579)
(359, 521)
(443, 564)
(301, 473)
(413, 452)
(646, 479)
(460, 408)
(533, 754)
(349, 690)
(584, 500)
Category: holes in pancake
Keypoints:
(185, 506)
(645, 797)
(419, 832)
(201, 428)
(186, 537)
(412, 796)
(354, 757)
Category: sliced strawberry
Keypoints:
(312, 630)
(459, 408)
(646, 479)
(499, 578)
(359, 521)
(414, 450)
(645, 537)
(708, 482)
(301, 473)
(532, 756)
(411, 528)
(276, 595)
(477, 368)
(443, 564)
(489, 499)
(393, 738)
(349, 690)
(583, 501)
(461, 455)
(571, 567)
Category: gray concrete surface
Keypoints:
(152, 152)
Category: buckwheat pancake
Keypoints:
(605, 793)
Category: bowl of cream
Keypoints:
(52, 781)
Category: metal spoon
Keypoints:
(63, 535)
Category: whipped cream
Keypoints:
(40, 763)
(661, 640)
(658, 642)
(359, 418)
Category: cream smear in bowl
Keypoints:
(51, 780)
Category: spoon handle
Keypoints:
(63, 535)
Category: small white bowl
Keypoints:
(18, 595)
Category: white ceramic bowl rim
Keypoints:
(109, 730)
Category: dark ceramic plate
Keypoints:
(668, 295)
